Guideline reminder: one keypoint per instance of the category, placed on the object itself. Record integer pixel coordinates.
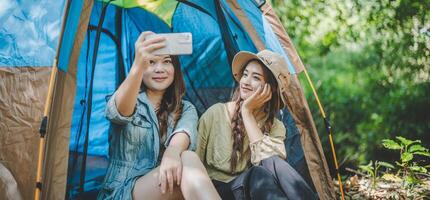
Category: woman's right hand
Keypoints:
(170, 169)
(126, 95)
(144, 48)
(257, 100)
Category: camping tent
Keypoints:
(89, 56)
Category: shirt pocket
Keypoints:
(107, 191)
(113, 183)
(139, 129)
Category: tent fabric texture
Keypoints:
(94, 50)
(29, 35)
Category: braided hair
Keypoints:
(270, 109)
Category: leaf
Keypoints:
(418, 169)
(407, 142)
(416, 147)
(391, 144)
(410, 180)
(367, 168)
(422, 153)
(391, 177)
(406, 157)
(400, 164)
(385, 164)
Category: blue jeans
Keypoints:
(274, 178)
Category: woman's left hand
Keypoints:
(170, 169)
(258, 99)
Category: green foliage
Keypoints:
(390, 144)
(408, 150)
(372, 169)
(370, 63)
(409, 169)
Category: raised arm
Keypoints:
(250, 107)
(126, 95)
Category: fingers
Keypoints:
(170, 180)
(256, 93)
(178, 175)
(153, 40)
(147, 48)
(155, 46)
(267, 93)
(144, 43)
(163, 181)
(143, 35)
(262, 94)
(174, 176)
(166, 180)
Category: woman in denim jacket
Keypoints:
(152, 128)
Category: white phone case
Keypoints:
(176, 44)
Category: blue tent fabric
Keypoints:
(136, 21)
(207, 72)
(264, 30)
(69, 34)
(106, 81)
(208, 6)
(27, 30)
(241, 36)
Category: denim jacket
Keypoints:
(135, 144)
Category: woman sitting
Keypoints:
(152, 128)
(241, 143)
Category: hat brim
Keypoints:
(239, 62)
(241, 59)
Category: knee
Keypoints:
(191, 160)
(261, 177)
(260, 172)
(193, 171)
(274, 162)
(274, 158)
(189, 156)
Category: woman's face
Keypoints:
(252, 78)
(160, 74)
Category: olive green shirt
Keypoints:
(215, 144)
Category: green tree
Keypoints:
(370, 62)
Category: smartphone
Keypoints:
(176, 44)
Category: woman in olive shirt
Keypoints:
(241, 143)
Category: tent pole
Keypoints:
(328, 129)
(42, 132)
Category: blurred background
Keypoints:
(370, 63)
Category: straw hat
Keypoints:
(273, 61)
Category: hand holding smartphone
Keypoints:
(176, 44)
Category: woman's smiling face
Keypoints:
(160, 74)
(252, 78)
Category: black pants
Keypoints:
(273, 179)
